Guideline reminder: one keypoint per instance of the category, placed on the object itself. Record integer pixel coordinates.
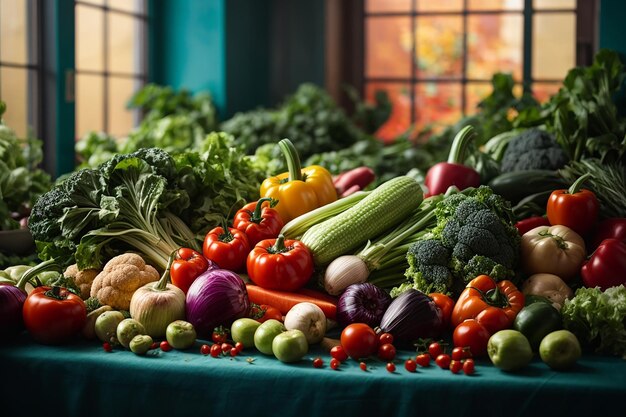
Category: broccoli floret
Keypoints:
(533, 149)
(474, 235)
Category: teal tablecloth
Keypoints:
(82, 379)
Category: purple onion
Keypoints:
(217, 297)
(11, 302)
(362, 303)
(412, 315)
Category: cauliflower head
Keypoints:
(83, 279)
(120, 278)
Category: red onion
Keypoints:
(362, 303)
(410, 316)
(11, 302)
(217, 297)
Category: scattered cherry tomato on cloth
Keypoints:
(318, 363)
(423, 359)
(387, 352)
(188, 264)
(337, 352)
(280, 264)
(53, 315)
(227, 247)
(410, 365)
(219, 335)
(259, 221)
(443, 361)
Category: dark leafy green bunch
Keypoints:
(474, 235)
(533, 149)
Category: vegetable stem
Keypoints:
(575, 187)
(162, 284)
(49, 265)
(293, 160)
(459, 145)
(256, 214)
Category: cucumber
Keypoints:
(516, 185)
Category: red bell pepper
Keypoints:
(188, 264)
(227, 247)
(494, 305)
(607, 265)
(54, 315)
(279, 264)
(574, 208)
(530, 223)
(445, 174)
(612, 228)
(258, 222)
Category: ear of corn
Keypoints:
(385, 207)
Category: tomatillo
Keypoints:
(509, 350)
(536, 320)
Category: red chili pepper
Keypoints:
(353, 180)
(258, 222)
(279, 264)
(227, 247)
(574, 208)
(612, 228)
(607, 266)
(54, 315)
(445, 174)
(188, 264)
(530, 223)
(264, 312)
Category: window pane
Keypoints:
(89, 42)
(388, 5)
(400, 119)
(123, 48)
(554, 44)
(494, 45)
(440, 6)
(120, 118)
(14, 92)
(554, 4)
(439, 41)
(495, 4)
(89, 103)
(98, 2)
(134, 6)
(543, 91)
(437, 103)
(388, 47)
(13, 29)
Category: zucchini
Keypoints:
(384, 208)
(516, 185)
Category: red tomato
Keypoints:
(443, 361)
(363, 366)
(387, 352)
(205, 349)
(334, 363)
(216, 350)
(239, 346)
(410, 365)
(165, 346)
(385, 338)
(359, 340)
(456, 366)
(459, 353)
(219, 335)
(391, 367)
(53, 315)
(435, 349)
(337, 352)
(472, 334)
(228, 250)
(468, 366)
(493, 319)
(446, 305)
(318, 363)
(423, 359)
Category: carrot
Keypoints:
(284, 300)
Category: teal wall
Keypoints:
(613, 36)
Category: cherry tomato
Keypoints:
(154, 345)
(385, 338)
(239, 346)
(219, 335)
(234, 352)
(359, 340)
(339, 353)
(387, 352)
(443, 361)
(460, 353)
(410, 365)
(446, 305)
(107, 347)
(334, 363)
(318, 362)
(468, 366)
(165, 346)
(423, 359)
(216, 350)
(363, 366)
(391, 367)
(456, 366)
(205, 349)
(472, 334)
(226, 347)
(435, 349)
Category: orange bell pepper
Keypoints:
(494, 305)
(299, 190)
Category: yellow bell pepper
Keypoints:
(299, 190)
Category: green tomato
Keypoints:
(127, 330)
(560, 350)
(290, 346)
(140, 344)
(242, 330)
(536, 320)
(509, 350)
(106, 326)
(265, 334)
(180, 334)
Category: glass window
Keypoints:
(110, 64)
(19, 65)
